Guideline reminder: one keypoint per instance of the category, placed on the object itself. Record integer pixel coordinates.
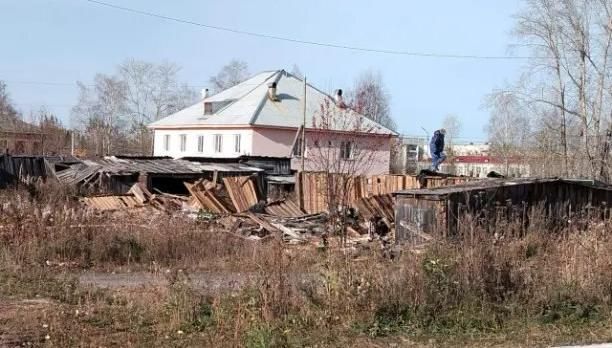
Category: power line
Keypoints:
(69, 84)
(306, 42)
(41, 83)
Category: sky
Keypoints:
(48, 45)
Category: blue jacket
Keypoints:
(436, 145)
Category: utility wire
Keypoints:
(69, 84)
(306, 42)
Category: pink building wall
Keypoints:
(373, 156)
(273, 142)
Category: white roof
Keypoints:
(247, 104)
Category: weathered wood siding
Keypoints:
(441, 214)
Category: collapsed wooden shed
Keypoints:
(118, 174)
(438, 211)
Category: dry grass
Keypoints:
(540, 289)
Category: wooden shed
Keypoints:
(437, 211)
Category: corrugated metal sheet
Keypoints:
(159, 166)
(248, 104)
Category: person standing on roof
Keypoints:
(436, 148)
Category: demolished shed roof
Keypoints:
(159, 166)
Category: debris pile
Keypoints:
(137, 197)
(234, 204)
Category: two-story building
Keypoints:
(268, 115)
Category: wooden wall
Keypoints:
(313, 187)
(558, 201)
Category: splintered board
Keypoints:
(242, 192)
(112, 202)
(205, 197)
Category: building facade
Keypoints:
(275, 114)
(20, 138)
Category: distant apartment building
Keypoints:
(406, 154)
(480, 166)
(475, 160)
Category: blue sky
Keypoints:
(68, 40)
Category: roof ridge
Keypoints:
(279, 74)
(247, 93)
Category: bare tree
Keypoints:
(453, 127)
(100, 112)
(6, 106)
(371, 99)
(508, 128)
(151, 92)
(116, 110)
(56, 136)
(230, 75)
(337, 147)
(570, 78)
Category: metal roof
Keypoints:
(474, 185)
(247, 104)
(281, 179)
(494, 183)
(127, 166)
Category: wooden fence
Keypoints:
(314, 190)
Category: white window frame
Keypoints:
(183, 142)
(237, 143)
(218, 143)
(166, 142)
(200, 143)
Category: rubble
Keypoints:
(205, 195)
(242, 192)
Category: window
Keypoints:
(167, 142)
(208, 108)
(200, 143)
(237, 143)
(346, 150)
(183, 142)
(218, 143)
(299, 147)
(36, 148)
(19, 147)
(3, 145)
